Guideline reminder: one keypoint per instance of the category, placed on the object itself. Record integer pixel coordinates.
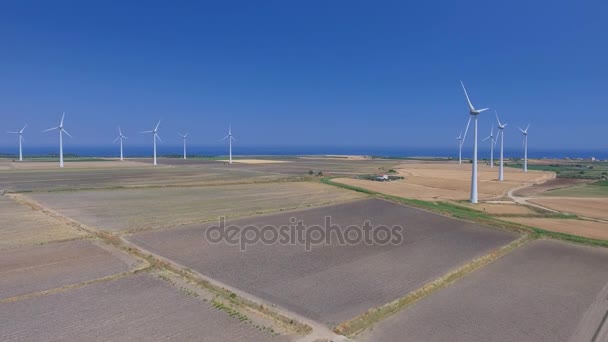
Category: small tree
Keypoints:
(311, 172)
(320, 174)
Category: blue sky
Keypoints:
(293, 73)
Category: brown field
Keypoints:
(23, 225)
(557, 183)
(538, 292)
(446, 181)
(590, 229)
(588, 207)
(73, 179)
(153, 208)
(37, 268)
(134, 308)
(334, 282)
(254, 161)
(44, 165)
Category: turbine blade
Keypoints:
(482, 110)
(471, 108)
(62, 117)
(146, 132)
(23, 129)
(66, 132)
(224, 138)
(12, 132)
(527, 128)
(115, 140)
(521, 130)
(185, 135)
(465, 131)
(486, 138)
(158, 124)
(497, 119)
(233, 138)
(119, 131)
(158, 137)
(50, 129)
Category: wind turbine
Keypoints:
(230, 138)
(492, 143)
(501, 132)
(474, 113)
(120, 136)
(20, 133)
(525, 133)
(460, 139)
(61, 131)
(154, 137)
(183, 137)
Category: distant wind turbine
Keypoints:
(492, 143)
(230, 138)
(474, 113)
(525, 133)
(183, 137)
(61, 131)
(20, 133)
(460, 139)
(120, 137)
(154, 137)
(501, 132)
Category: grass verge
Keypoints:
(461, 212)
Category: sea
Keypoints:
(392, 152)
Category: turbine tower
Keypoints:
(183, 137)
(61, 131)
(154, 137)
(20, 133)
(460, 140)
(474, 113)
(230, 138)
(120, 136)
(501, 132)
(525, 133)
(492, 143)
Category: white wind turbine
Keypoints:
(474, 113)
(20, 133)
(501, 132)
(121, 137)
(154, 137)
(525, 133)
(183, 137)
(61, 131)
(460, 140)
(492, 143)
(230, 138)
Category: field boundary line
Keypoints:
(72, 286)
(372, 316)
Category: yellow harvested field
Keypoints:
(254, 161)
(24, 225)
(588, 207)
(169, 207)
(448, 181)
(589, 229)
